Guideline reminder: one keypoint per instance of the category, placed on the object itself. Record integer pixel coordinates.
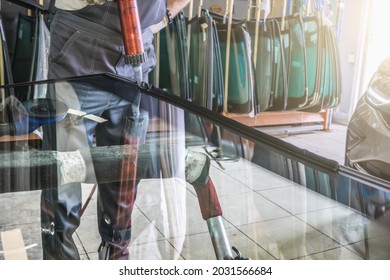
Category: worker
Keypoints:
(86, 39)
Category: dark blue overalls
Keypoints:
(84, 42)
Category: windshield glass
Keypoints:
(182, 182)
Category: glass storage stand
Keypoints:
(267, 198)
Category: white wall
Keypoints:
(352, 46)
(378, 39)
(364, 37)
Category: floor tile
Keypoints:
(329, 143)
(333, 254)
(245, 208)
(344, 225)
(89, 199)
(178, 219)
(373, 249)
(19, 208)
(229, 165)
(161, 250)
(257, 178)
(225, 184)
(200, 247)
(87, 234)
(288, 238)
(143, 231)
(90, 256)
(154, 192)
(157, 250)
(297, 199)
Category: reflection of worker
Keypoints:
(86, 39)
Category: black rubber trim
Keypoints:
(29, 4)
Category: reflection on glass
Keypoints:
(182, 183)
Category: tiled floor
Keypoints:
(329, 143)
(265, 217)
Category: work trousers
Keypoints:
(82, 46)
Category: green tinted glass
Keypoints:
(297, 81)
(240, 86)
(264, 62)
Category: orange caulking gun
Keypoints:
(132, 36)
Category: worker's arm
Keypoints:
(175, 6)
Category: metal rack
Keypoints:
(32, 139)
(276, 118)
(284, 118)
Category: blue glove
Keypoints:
(20, 122)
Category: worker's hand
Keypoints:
(16, 116)
(24, 118)
(13, 108)
(96, 2)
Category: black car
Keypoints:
(368, 133)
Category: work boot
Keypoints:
(114, 251)
(114, 220)
(59, 220)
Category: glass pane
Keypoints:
(297, 77)
(173, 53)
(264, 62)
(240, 85)
(205, 64)
(311, 41)
(279, 100)
(25, 52)
(175, 181)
